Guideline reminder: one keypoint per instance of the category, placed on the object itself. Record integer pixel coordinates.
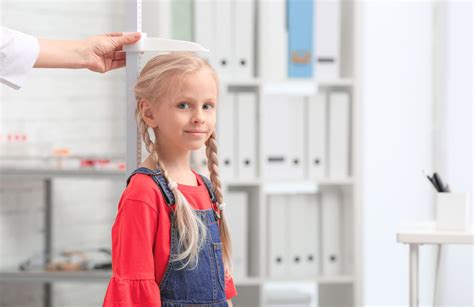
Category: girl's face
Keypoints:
(188, 120)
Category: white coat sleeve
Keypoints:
(18, 54)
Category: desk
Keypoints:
(426, 233)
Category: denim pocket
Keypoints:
(219, 263)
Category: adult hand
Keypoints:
(105, 52)
(99, 53)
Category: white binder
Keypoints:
(339, 135)
(204, 26)
(311, 213)
(331, 232)
(278, 262)
(298, 236)
(247, 135)
(199, 161)
(297, 137)
(327, 39)
(236, 213)
(223, 24)
(226, 135)
(244, 29)
(276, 136)
(163, 17)
(273, 40)
(317, 136)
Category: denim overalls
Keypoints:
(204, 285)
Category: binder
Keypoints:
(164, 18)
(300, 38)
(327, 39)
(236, 213)
(227, 134)
(311, 213)
(244, 32)
(222, 53)
(331, 232)
(199, 161)
(246, 135)
(297, 137)
(339, 123)
(317, 136)
(273, 40)
(298, 237)
(278, 264)
(182, 21)
(276, 136)
(204, 27)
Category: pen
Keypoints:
(437, 179)
(433, 182)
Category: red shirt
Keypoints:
(141, 242)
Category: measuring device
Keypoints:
(133, 23)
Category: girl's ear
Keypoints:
(146, 112)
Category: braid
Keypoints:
(192, 232)
(213, 166)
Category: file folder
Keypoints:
(297, 137)
(244, 36)
(247, 135)
(182, 21)
(317, 136)
(204, 27)
(331, 232)
(327, 39)
(164, 18)
(298, 236)
(227, 135)
(236, 213)
(273, 40)
(276, 136)
(278, 262)
(300, 38)
(199, 161)
(223, 24)
(311, 212)
(339, 135)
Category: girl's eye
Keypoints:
(183, 105)
(208, 106)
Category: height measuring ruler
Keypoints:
(133, 23)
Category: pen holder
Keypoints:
(453, 211)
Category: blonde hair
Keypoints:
(153, 84)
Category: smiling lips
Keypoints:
(196, 132)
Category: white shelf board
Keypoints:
(44, 276)
(426, 233)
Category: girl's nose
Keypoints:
(198, 117)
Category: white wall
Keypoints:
(397, 104)
(77, 109)
(454, 153)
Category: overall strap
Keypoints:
(209, 187)
(159, 180)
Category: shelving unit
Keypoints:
(344, 289)
(48, 175)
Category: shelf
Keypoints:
(50, 173)
(104, 276)
(43, 276)
(289, 186)
(342, 279)
(342, 82)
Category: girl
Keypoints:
(170, 242)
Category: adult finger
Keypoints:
(117, 64)
(126, 39)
